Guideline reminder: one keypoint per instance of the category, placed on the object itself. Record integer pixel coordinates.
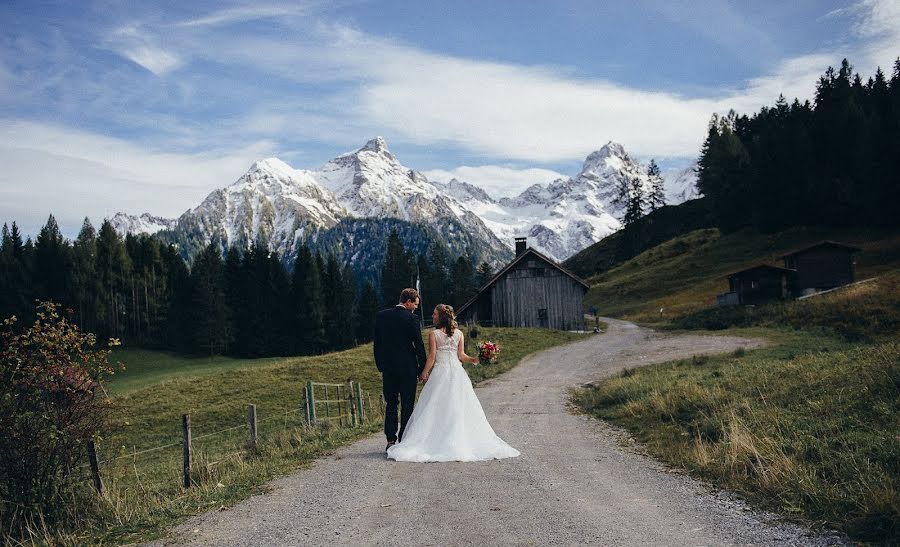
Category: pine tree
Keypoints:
(332, 287)
(657, 197)
(366, 311)
(112, 270)
(347, 325)
(52, 263)
(484, 274)
(435, 279)
(84, 282)
(462, 280)
(397, 272)
(210, 316)
(636, 202)
(307, 302)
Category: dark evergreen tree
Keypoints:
(113, 268)
(637, 202)
(210, 317)
(15, 288)
(307, 301)
(397, 273)
(657, 197)
(52, 262)
(484, 274)
(347, 325)
(332, 316)
(462, 281)
(366, 312)
(83, 278)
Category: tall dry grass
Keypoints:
(808, 428)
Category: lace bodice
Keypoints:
(447, 343)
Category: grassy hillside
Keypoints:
(806, 426)
(684, 274)
(144, 492)
(655, 228)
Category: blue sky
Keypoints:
(148, 106)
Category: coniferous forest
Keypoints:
(834, 162)
(248, 303)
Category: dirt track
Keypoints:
(575, 483)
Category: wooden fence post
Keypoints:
(251, 418)
(311, 401)
(360, 412)
(186, 426)
(95, 466)
(306, 404)
(327, 408)
(351, 401)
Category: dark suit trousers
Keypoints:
(402, 387)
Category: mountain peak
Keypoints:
(272, 165)
(375, 145)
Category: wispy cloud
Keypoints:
(50, 169)
(141, 48)
(243, 14)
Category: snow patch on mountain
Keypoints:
(143, 224)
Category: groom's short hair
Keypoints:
(409, 295)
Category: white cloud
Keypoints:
(498, 181)
(241, 14)
(48, 169)
(139, 47)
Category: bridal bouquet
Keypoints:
(488, 352)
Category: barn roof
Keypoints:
(528, 251)
(761, 267)
(823, 243)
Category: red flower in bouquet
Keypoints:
(488, 352)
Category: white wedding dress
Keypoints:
(448, 423)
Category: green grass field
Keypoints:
(146, 367)
(145, 497)
(807, 426)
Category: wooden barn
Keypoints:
(758, 284)
(825, 265)
(531, 291)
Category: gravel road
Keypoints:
(576, 482)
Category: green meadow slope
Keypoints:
(806, 426)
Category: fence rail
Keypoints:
(346, 403)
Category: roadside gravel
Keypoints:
(578, 481)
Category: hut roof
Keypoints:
(761, 267)
(528, 251)
(823, 243)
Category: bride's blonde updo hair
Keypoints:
(446, 319)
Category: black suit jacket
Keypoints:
(398, 342)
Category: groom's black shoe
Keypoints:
(390, 444)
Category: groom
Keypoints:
(400, 357)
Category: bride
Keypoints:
(448, 423)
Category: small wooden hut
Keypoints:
(531, 291)
(761, 283)
(823, 266)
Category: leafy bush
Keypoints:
(51, 404)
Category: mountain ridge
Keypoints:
(285, 207)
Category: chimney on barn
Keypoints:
(521, 245)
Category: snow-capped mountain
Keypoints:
(568, 215)
(283, 206)
(681, 184)
(272, 202)
(144, 224)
